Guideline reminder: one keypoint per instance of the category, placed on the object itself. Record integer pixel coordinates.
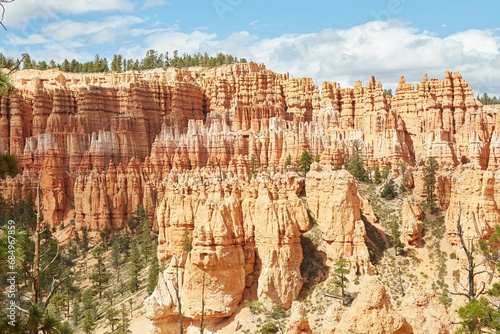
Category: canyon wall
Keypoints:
(212, 155)
(121, 133)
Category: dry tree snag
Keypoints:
(3, 11)
(470, 290)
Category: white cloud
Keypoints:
(170, 40)
(154, 3)
(22, 12)
(477, 42)
(70, 30)
(387, 50)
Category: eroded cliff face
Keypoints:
(243, 234)
(205, 152)
(333, 201)
(137, 127)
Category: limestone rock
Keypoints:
(412, 224)
(473, 201)
(426, 314)
(372, 312)
(237, 240)
(332, 198)
(298, 323)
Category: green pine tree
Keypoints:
(430, 171)
(377, 179)
(305, 161)
(355, 164)
(389, 190)
(100, 277)
(153, 272)
(341, 269)
(134, 267)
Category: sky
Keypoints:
(341, 41)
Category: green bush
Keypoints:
(389, 190)
(186, 242)
(278, 312)
(269, 328)
(254, 306)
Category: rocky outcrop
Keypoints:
(298, 323)
(412, 224)
(333, 201)
(220, 117)
(239, 234)
(372, 312)
(473, 201)
(444, 120)
(426, 314)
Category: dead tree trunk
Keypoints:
(471, 265)
(179, 302)
(202, 320)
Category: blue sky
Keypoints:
(340, 41)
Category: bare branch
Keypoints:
(15, 68)
(3, 11)
(52, 261)
(459, 294)
(481, 272)
(19, 308)
(481, 291)
(53, 289)
(332, 296)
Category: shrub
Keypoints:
(269, 328)
(186, 242)
(389, 190)
(278, 312)
(254, 306)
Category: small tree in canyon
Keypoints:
(431, 167)
(341, 270)
(306, 159)
(355, 164)
(481, 314)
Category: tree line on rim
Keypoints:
(153, 59)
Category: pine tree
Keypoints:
(389, 190)
(146, 241)
(186, 241)
(341, 270)
(85, 240)
(124, 324)
(355, 164)
(8, 165)
(112, 317)
(137, 218)
(395, 235)
(305, 161)
(100, 277)
(376, 175)
(253, 166)
(153, 272)
(116, 258)
(431, 167)
(89, 322)
(135, 267)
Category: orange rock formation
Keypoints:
(204, 151)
